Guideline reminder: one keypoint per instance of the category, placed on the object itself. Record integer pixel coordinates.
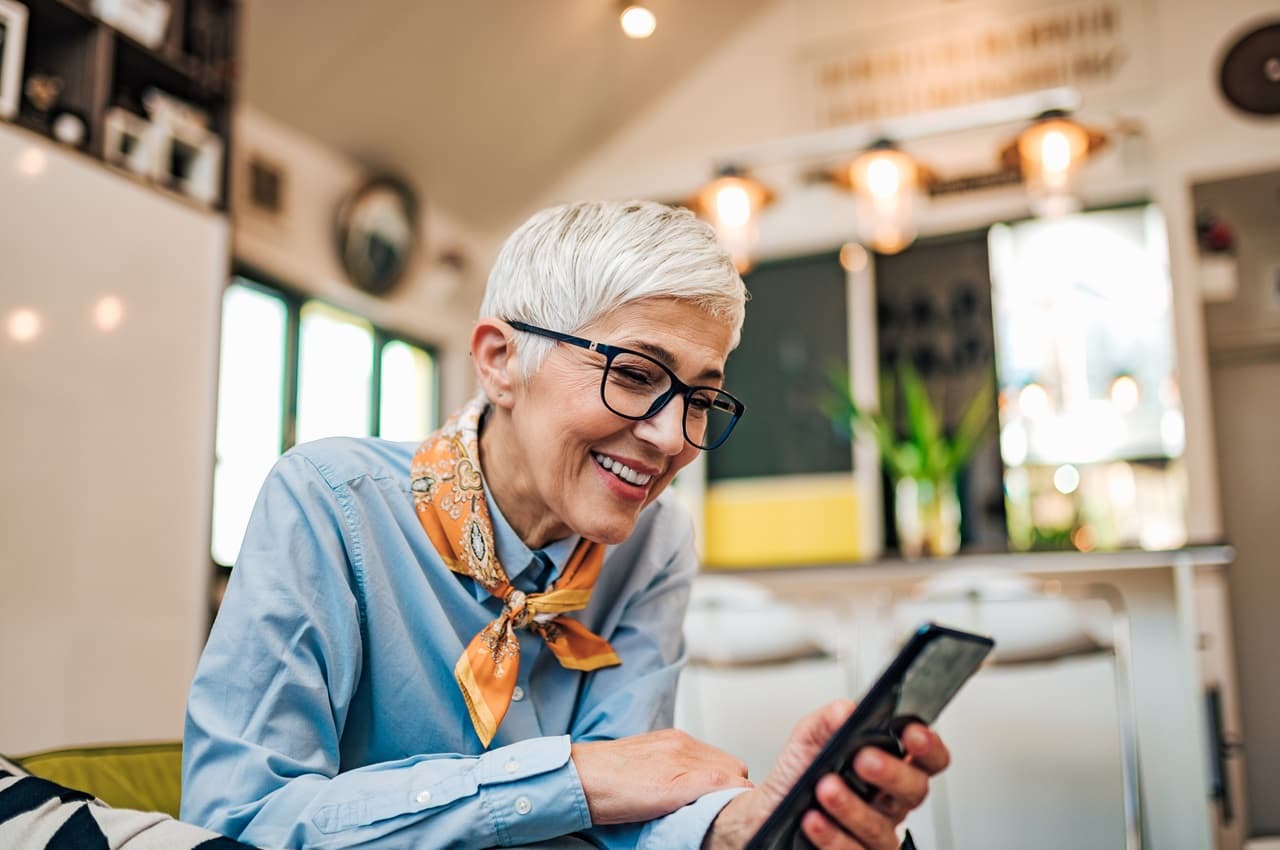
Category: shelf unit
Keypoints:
(102, 68)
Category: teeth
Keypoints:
(623, 471)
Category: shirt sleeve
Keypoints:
(271, 694)
(639, 696)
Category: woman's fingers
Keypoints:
(902, 786)
(869, 828)
(925, 749)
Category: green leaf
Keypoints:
(922, 419)
(975, 424)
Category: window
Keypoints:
(293, 370)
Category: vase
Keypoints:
(927, 517)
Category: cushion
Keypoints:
(39, 814)
(133, 776)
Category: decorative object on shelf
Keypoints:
(93, 67)
(1216, 265)
(1250, 74)
(922, 460)
(13, 35)
(377, 233)
(69, 129)
(143, 20)
(129, 141)
(42, 92)
(187, 155)
(732, 203)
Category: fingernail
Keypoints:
(871, 761)
(917, 736)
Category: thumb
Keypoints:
(817, 727)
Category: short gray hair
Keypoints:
(571, 265)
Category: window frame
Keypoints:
(294, 299)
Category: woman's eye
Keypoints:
(634, 376)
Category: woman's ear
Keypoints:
(497, 366)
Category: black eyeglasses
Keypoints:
(635, 386)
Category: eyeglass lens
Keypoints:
(636, 387)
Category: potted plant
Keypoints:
(922, 459)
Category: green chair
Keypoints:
(146, 777)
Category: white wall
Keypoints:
(435, 303)
(107, 445)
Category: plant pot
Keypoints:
(927, 517)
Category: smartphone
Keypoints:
(914, 688)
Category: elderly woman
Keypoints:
(474, 642)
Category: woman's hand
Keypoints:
(845, 822)
(643, 777)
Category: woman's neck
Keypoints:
(510, 483)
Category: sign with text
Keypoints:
(973, 52)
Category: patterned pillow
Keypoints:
(36, 814)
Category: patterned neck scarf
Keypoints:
(448, 493)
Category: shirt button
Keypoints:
(523, 806)
(517, 694)
(424, 796)
(512, 766)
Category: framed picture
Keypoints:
(13, 39)
(190, 160)
(129, 141)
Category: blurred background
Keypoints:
(1012, 357)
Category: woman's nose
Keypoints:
(665, 429)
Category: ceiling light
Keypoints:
(732, 203)
(637, 21)
(886, 182)
(1049, 154)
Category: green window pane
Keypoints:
(407, 406)
(335, 374)
(250, 402)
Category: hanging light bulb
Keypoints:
(1049, 154)
(885, 182)
(731, 203)
(637, 21)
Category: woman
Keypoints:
(474, 642)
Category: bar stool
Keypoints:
(755, 666)
(1036, 625)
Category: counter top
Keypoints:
(1030, 563)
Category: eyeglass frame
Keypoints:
(678, 387)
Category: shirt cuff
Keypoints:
(533, 802)
(685, 828)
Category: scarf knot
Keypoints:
(516, 610)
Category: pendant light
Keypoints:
(886, 183)
(732, 203)
(1049, 154)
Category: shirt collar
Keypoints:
(512, 552)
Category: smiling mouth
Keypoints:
(621, 470)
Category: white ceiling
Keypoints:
(481, 104)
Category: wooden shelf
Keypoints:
(100, 68)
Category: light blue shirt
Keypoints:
(324, 711)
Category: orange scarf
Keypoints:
(448, 493)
